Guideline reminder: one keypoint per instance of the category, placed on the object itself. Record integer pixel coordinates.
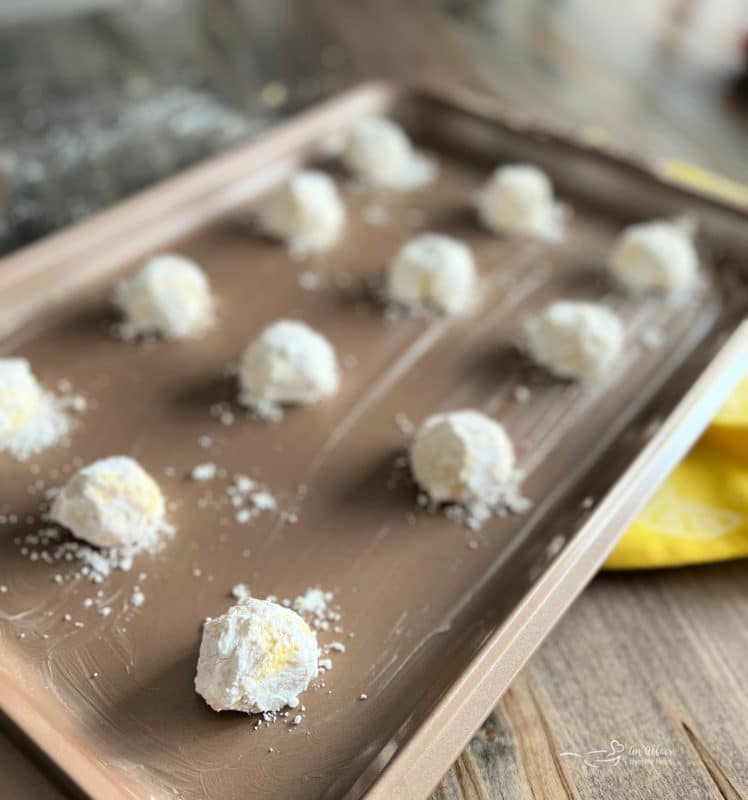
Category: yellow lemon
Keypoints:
(699, 515)
(729, 429)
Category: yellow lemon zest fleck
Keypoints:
(279, 652)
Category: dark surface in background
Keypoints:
(96, 105)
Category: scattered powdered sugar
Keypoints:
(137, 598)
(652, 339)
(240, 591)
(474, 515)
(243, 484)
(405, 424)
(203, 472)
(313, 603)
(249, 499)
(263, 501)
(244, 497)
(265, 410)
(521, 394)
(52, 545)
(376, 215)
(223, 412)
(309, 281)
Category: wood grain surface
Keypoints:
(642, 690)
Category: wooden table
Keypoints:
(654, 663)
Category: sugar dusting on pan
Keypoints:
(246, 498)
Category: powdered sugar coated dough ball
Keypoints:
(433, 270)
(257, 657)
(462, 456)
(31, 419)
(379, 151)
(111, 502)
(573, 339)
(288, 363)
(517, 199)
(306, 212)
(169, 295)
(20, 395)
(657, 256)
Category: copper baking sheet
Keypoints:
(442, 617)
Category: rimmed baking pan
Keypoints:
(436, 619)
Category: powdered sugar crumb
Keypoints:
(203, 472)
(240, 591)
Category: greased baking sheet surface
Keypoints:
(418, 593)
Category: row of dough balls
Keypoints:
(461, 456)
(291, 363)
(170, 295)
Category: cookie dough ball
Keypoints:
(257, 657)
(463, 457)
(654, 256)
(289, 363)
(31, 419)
(573, 339)
(169, 296)
(378, 151)
(517, 199)
(112, 502)
(20, 395)
(433, 270)
(306, 212)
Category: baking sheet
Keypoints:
(427, 601)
